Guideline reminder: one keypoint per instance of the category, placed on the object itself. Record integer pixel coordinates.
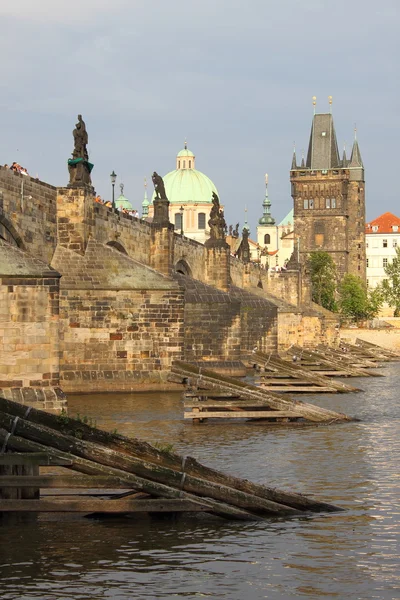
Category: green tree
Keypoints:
(375, 301)
(354, 300)
(391, 285)
(323, 279)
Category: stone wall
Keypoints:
(29, 330)
(28, 212)
(121, 322)
(212, 323)
(258, 317)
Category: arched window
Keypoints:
(178, 221)
(267, 238)
(184, 164)
(190, 164)
(179, 164)
(201, 220)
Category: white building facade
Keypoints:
(382, 237)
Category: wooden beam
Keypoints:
(33, 458)
(242, 414)
(64, 481)
(86, 505)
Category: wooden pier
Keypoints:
(217, 396)
(152, 480)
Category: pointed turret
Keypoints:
(323, 153)
(303, 164)
(355, 158)
(246, 225)
(266, 219)
(344, 159)
(294, 162)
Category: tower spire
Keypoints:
(145, 203)
(294, 165)
(355, 158)
(303, 164)
(246, 225)
(266, 219)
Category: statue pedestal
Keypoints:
(217, 261)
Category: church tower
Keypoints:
(329, 200)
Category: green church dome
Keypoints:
(188, 186)
(122, 201)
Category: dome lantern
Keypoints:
(185, 159)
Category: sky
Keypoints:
(234, 77)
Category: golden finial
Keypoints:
(330, 103)
(145, 182)
(314, 101)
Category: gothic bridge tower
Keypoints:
(329, 200)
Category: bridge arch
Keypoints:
(183, 268)
(9, 233)
(117, 246)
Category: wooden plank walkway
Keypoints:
(252, 399)
(272, 368)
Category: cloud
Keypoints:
(236, 78)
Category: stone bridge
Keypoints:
(94, 299)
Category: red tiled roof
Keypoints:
(384, 224)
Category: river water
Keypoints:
(346, 555)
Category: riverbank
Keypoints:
(387, 338)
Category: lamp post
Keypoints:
(113, 178)
(181, 211)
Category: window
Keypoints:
(267, 238)
(375, 228)
(178, 221)
(366, 244)
(190, 164)
(305, 203)
(201, 220)
(384, 243)
(319, 234)
(395, 243)
(395, 227)
(384, 262)
(333, 202)
(179, 164)
(311, 203)
(327, 203)
(367, 262)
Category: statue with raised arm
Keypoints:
(159, 186)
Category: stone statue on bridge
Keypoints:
(161, 202)
(217, 224)
(80, 140)
(159, 186)
(79, 166)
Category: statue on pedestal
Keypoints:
(161, 202)
(216, 223)
(79, 166)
